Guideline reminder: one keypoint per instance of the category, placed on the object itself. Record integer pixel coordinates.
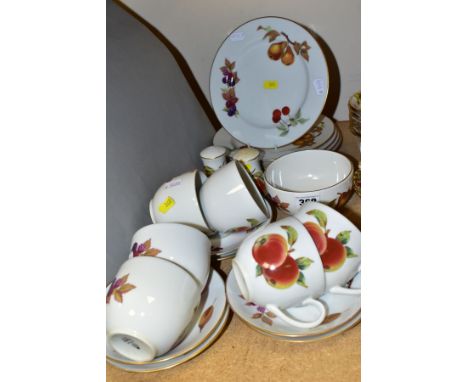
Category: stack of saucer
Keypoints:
(146, 330)
(324, 135)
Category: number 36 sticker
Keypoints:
(305, 199)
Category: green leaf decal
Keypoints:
(343, 236)
(303, 263)
(320, 216)
(301, 280)
(292, 234)
(253, 222)
(349, 253)
(258, 271)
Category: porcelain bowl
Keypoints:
(309, 176)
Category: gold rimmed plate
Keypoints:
(269, 82)
(206, 321)
(344, 311)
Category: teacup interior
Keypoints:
(252, 188)
(309, 170)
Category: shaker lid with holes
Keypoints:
(269, 82)
(213, 152)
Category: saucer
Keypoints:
(344, 311)
(225, 246)
(168, 364)
(206, 321)
(269, 82)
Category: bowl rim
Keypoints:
(303, 152)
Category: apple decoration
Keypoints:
(271, 252)
(333, 251)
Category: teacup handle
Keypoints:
(346, 291)
(301, 324)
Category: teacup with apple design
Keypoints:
(279, 267)
(338, 242)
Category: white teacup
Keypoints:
(213, 158)
(176, 201)
(148, 306)
(338, 242)
(179, 243)
(279, 267)
(231, 200)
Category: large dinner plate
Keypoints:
(269, 82)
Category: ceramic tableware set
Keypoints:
(165, 304)
(294, 279)
(206, 203)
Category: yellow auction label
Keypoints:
(272, 84)
(166, 205)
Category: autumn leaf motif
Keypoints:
(279, 203)
(262, 313)
(144, 249)
(205, 317)
(118, 288)
(342, 199)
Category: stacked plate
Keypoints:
(268, 86)
(205, 328)
(324, 135)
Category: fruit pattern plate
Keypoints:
(344, 311)
(269, 82)
(224, 246)
(206, 320)
(154, 367)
